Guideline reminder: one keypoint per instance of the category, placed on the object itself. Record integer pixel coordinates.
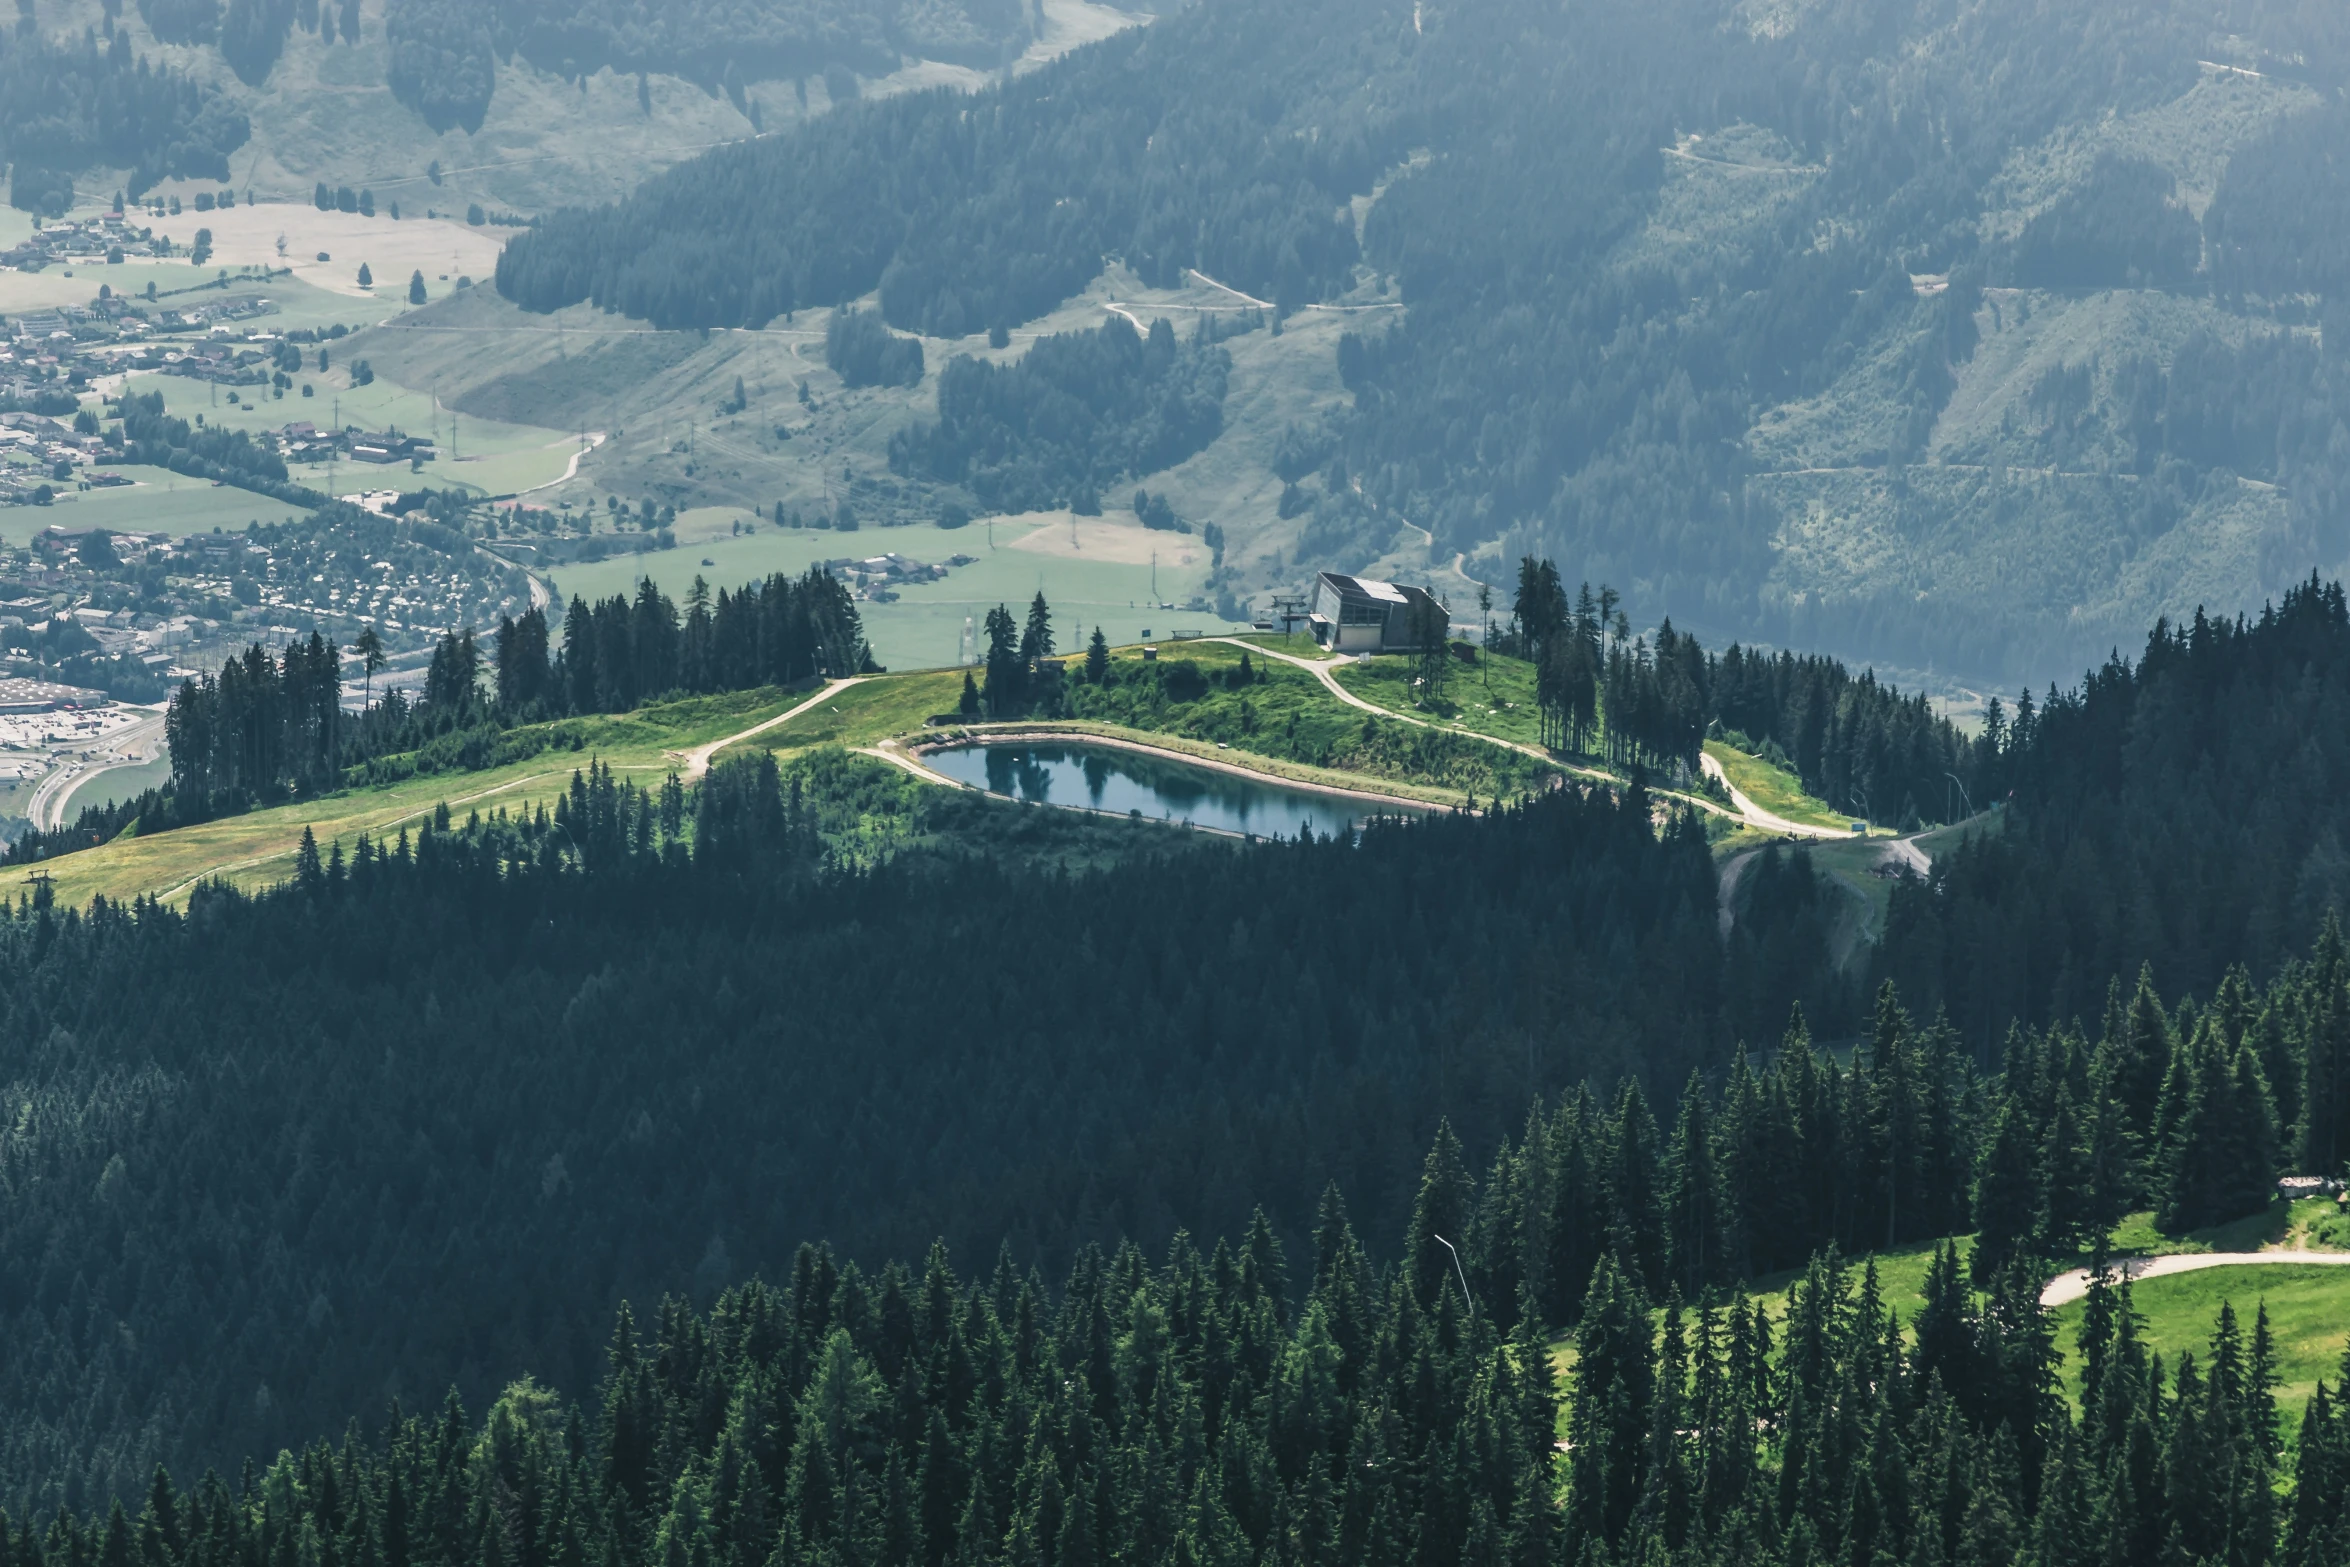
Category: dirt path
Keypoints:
(2066, 1288)
(697, 760)
(1320, 669)
(595, 438)
(888, 752)
(1755, 816)
(1246, 299)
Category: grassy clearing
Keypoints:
(1283, 724)
(1285, 713)
(2308, 1313)
(1775, 789)
(1493, 697)
(2312, 1224)
(1901, 1281)
(867, 713)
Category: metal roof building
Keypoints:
(1363, 615)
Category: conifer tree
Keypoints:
(1693, 1197)
(1440, 1214)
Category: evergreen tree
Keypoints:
(1439, 1224)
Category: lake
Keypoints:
(1105, 778)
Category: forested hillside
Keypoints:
(448, 1061)
(1984, 386)
(2180, 810)
(970, 214)
(65, 106)
(1234, 1408)
(444, 1104)
(1077, 414)
(445, 55)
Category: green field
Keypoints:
(1211, 726)
(924, 628)
(2308, 1306)
(478, 455)
(1775, 789)
(1494, 696)
(157, 501)
(2308, 1313)
(177, 283)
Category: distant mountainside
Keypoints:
(1961, 338)
(517, 105)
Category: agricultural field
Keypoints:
(177, 283)
(1096, 581)
(478, 455)
(156, 501)
(294, 233)
(115, 783)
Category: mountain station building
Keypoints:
(1361, 615)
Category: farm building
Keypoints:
(1361, 615)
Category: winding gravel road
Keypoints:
(2066, 1288)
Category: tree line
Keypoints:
(1858, 744)
(1225, 1409)
(265, 727)
(619, 653)
(149, 435)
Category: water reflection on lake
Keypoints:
(1105, 778)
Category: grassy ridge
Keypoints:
(258, 848)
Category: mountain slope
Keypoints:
(1898, 334)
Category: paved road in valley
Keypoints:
(49, 800)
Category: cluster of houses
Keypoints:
(35, 450)
(878, 577)
(306, 442)
(82, 242)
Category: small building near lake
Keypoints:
(1363, 615)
